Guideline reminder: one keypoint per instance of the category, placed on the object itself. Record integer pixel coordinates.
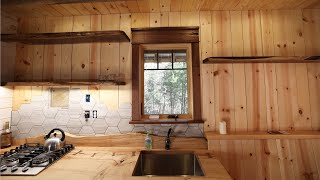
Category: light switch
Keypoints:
(88, 98)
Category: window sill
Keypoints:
(165, 121)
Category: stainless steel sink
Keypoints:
(167, 163)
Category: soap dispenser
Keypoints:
(148, 141)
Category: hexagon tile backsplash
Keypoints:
(38, 118)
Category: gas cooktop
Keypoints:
(29, 159)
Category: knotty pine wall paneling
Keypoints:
(9, 25)
(248, 96)
(154, 6)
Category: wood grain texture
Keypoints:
(48, 8)
(268, 159)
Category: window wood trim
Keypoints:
(181, 46)
(142, 37)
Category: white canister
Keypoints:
(223, 127)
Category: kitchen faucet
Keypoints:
(168, 142)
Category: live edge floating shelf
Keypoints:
(262, 59)
(62, 83)
(67, 37)
(263, 135)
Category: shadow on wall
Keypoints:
(38, 118)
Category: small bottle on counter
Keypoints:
(148, 141)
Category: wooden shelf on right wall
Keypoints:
(262, 59)
(262, 135)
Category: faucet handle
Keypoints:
(169, 131)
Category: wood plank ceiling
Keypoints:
(149, 6)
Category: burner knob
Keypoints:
(25, 169)
(21, 146)
(14, 168)
(17, 148)
(3, 168)
(25, 145)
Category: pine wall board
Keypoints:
(248, 96)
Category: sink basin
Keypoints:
(167, 163)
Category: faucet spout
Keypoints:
(168, 142)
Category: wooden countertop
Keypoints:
(114, 163)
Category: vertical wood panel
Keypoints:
(311, 25)
(205, 34)
(252, 33)
(80, 52)
(303, 121)
(139, 20)
(287, 95)
(189, 18)
(267, 32)
(110, 51)
(224, 97)
(155, 19)
(52, 61)
(249, 161)
(284, 154)
(207, 87)
(66, 51)
(314, 89)
(240, 97)
(221, 33)
(256, 97)
(164, 19)
(174, 19)
(125, 92)
(95, 49)
(282, 32)
(271, 96)
(236, 33)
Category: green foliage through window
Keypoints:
(165, 82)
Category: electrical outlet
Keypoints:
(95, 114)
(88, 98)
(87, 114)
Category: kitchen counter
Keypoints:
(114, 163)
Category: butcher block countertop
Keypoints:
(114, 163)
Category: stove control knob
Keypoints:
(21, 146)
(14, 168)
(25, 169)
(17, 148)
(3, 168)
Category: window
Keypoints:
(166, 75)
(166, 81)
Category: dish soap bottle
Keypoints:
(148, 141)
